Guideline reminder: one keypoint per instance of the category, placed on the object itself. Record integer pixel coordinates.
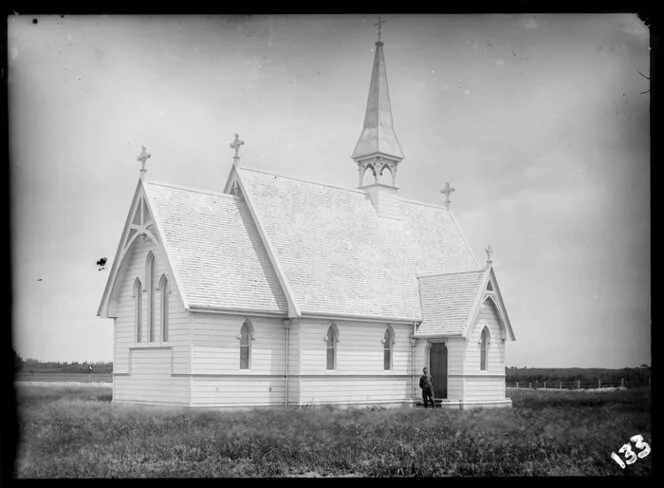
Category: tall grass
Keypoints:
(70, 432)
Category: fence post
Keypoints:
(517, 384)
(530, 384)
(578, 384)
(622, 381)
(599, 383)
(560, 385)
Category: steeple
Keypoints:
(378, 147)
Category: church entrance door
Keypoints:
(438, 369)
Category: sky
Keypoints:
(539, 122)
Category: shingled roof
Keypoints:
(339, 258)
(448, 300)
(451, 301)
(215, 249)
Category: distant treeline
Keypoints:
(36, 366)
(631, 376)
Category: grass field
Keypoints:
(76, 432)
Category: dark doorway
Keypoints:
(438, 365)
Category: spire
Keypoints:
(378, 146)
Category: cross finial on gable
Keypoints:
(488, 252)
(236, 144)
(379, 24)
(143, 157)
(447, 191)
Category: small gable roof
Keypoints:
(340, 259)
(451, 302)
(448, 301)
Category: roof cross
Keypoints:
(379, 24)
(143, 157)
(447, 191)
(488, 252)
(236, 144)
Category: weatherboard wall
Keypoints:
(359, 376)
(143, 372)
(218, 380)
(488, 384)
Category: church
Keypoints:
(282, 292)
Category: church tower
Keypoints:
(378, 150)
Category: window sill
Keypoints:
(157, 345)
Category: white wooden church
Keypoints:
(286, 292)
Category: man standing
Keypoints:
(426, 383)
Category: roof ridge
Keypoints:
(426, 204)
(355, 190)
(481, 270)
(188, 188)
(304, 180)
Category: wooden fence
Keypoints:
(570, 385)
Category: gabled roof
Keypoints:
(340, 258)
(451, 302)
(448, 301)
(214, 250)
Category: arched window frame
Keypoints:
(164, 292)
(149, 288)
(490, 298)
(246, 337)
(484, 342)
(388, 348)
(138, 309)
(331, 339)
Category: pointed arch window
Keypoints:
(388, 341)
(149, 286)
(484, 349)
(138, 307)
(246, 336)
(331, 339)
(163, 307)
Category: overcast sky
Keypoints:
(539, 122)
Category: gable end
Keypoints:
(140, 224)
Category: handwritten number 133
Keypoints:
(631, 456)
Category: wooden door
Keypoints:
(438, 369)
